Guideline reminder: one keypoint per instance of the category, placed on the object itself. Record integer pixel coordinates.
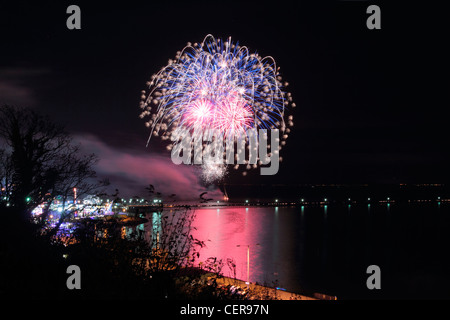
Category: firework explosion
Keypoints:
(221, 86)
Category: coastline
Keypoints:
(260, 292)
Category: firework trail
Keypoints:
(216, 85)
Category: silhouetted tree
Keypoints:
(39, 161)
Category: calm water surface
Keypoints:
(327, 249)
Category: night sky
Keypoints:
(371, 104)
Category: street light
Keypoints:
(248, 262)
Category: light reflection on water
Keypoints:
(323, 248)
(268, 231)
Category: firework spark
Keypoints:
(216, 85)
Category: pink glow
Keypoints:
(233, 117)
(130, 173)
(223, 228)
(199, 114)
(223, 232)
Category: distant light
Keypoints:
(368, 199)
(246, 201)
(439, 198)
(349, 199)
(303, 200)
(325, 199)
(217, 201)
(388, 198)
(276, 200)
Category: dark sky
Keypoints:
(371, 104)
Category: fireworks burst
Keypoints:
(212, 172)
(216, 85)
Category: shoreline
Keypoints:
(260, 291)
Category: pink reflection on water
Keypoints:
(223, 229)
(280, 233)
